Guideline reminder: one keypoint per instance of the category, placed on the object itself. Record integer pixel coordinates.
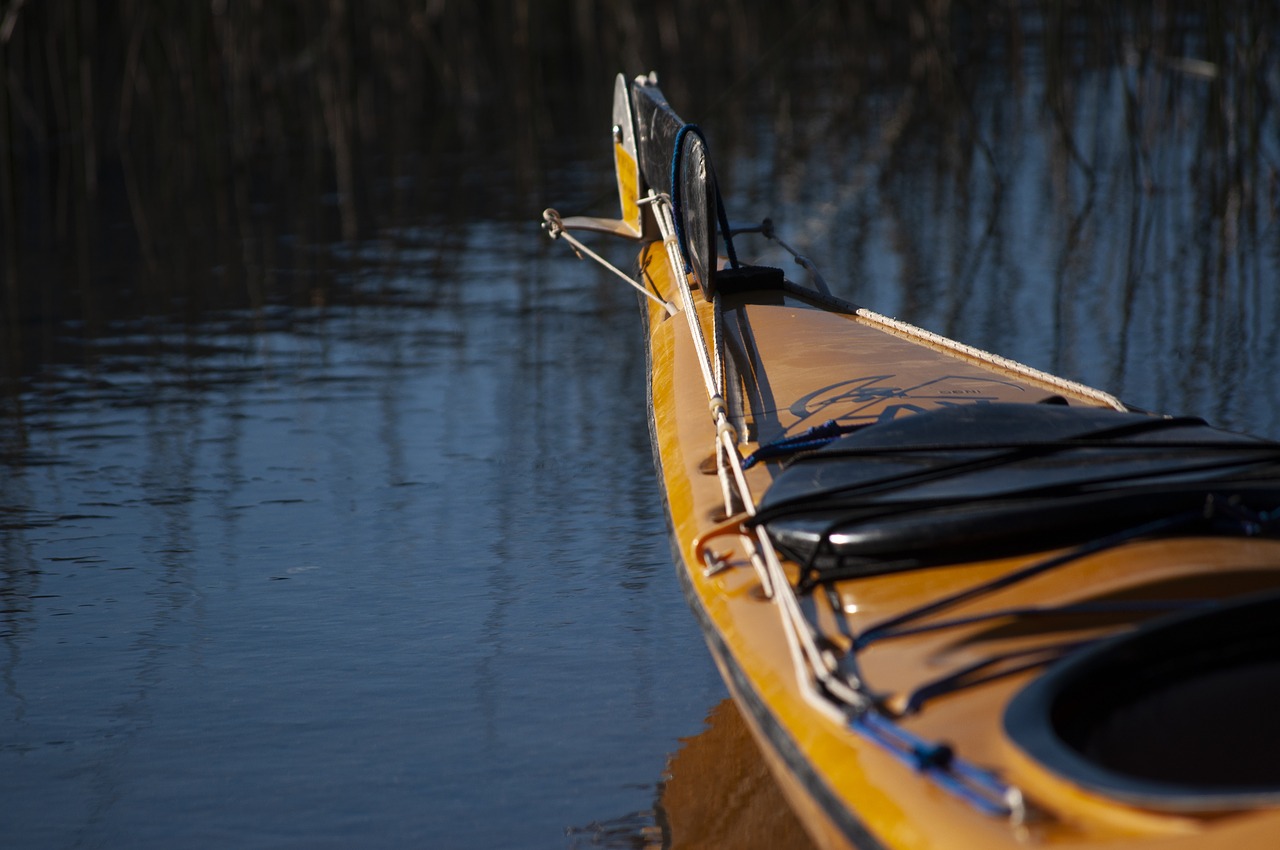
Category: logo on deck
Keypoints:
(878, 398)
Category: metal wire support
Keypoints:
(554, 225)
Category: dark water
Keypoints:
(394, 576)
(327, 515)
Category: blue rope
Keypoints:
(721, 216)
(979, 788)
(814, 438)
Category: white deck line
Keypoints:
(1047, 378)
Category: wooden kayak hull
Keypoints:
(847, 791)
(957, 600)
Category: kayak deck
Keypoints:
(857, 370)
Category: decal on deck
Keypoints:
(880, 398)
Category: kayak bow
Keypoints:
(961, 602)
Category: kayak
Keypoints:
(960, 602)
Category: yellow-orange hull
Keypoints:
(808, 360)
(961, 603)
